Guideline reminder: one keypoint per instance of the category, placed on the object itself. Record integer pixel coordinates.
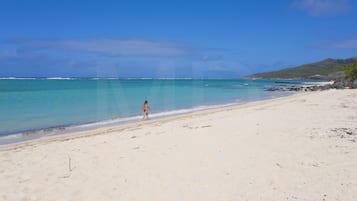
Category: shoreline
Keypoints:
(63, 117)
(97, 130)
(34, 134)
(50, 112)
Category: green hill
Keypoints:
(329, 69)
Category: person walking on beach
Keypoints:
(146, 108)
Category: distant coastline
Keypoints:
(328, 69)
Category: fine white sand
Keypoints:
(302, 147)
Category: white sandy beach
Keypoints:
(302, 147)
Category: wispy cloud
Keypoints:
(339, 44)
(322, 7)
(211, 57)
(99, 57)
(17, 54)
(114, 47)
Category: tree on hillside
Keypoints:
(351, 72)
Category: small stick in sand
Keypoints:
(69, 163)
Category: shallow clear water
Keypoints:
(32, 104)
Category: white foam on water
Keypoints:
(17, 78)
(60, 78)
(319, 83)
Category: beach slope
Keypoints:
(301, 147)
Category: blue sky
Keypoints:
(198, 39)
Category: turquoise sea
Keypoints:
(31, 108)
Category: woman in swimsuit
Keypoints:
(146, 108)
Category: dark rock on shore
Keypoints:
(339, 84)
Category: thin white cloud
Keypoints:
(339, 44)
(211, 57)
(322, 7)
(115, 47)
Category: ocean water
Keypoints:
(35, 107)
